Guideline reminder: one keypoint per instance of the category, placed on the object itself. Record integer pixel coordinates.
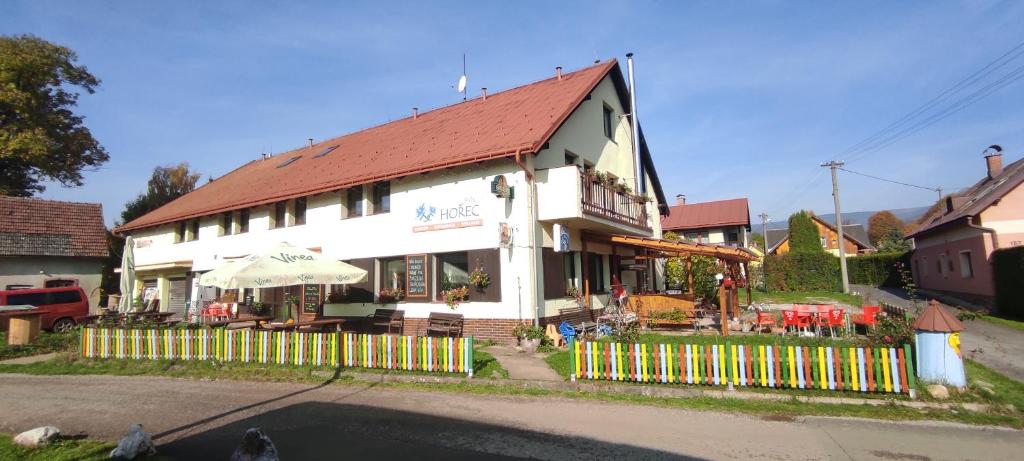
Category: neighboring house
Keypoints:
(430, 188)
(954, 243)
(721, 221)
(855, 235)
(46, 243)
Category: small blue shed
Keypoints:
(938, 346)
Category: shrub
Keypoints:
(803, 234)
(876, 269)
(802, 272)
(1008, 271)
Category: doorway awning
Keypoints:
(682, 249)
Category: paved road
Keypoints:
(205, 420)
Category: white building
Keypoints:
(424, 187)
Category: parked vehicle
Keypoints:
(63, 308)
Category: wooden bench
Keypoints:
(387, 319)
(579, 318)
(444, 324)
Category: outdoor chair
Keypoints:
(444, 324)
(792, 318)
(387, 319)
(764, 319)
(868, 318)
(836, 318)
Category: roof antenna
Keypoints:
(461, 86)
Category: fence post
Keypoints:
(469, 366)
(572, 358)
(909, 361)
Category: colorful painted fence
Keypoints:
(863, 369)
(413, 353)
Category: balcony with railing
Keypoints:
(612, 203)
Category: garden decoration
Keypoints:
(479, 278)
(939, 358)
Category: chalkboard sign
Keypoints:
(416, 276)
(310, 298)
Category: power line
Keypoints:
(933, 189)
(870, 143)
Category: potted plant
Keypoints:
(479, 278)
(453, 296)
(534, 336)
(259, 309)
(292, 300)
(599, 177)
(390, 295)
(337, 297)
(623, 188)
(574, 293)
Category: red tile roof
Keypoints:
(733, 212)
(36, 227)
(522, 118)
(973, 200)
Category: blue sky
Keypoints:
(736, 99)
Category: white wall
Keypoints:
(25, 270)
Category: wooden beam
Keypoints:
(723, 307)
(689, 275)
(585, 271)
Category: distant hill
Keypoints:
(856, 217)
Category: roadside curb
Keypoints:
(654, 391)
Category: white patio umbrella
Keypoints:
(282, 265)
(127, 276)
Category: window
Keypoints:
(569, 269)
(57, 283)
(393, 273)
(280, 214)
(452, 270)
(226, 223)
(924, 266)
(31, 299)
(289, 161)
(179, 233)
(355, 201)
(326, 151)
(300, 211)
(193, 233)
(940, 264)
(824, 242)
(243, 221)
(382, 197)
(732, 237)
(595, 275)
(966, 267)
(949, 263)
(570, 158)
(609, 125)
(65, 297)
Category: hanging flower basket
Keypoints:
(390, 295)
(479, 278)
(454, 296)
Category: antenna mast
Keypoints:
(464, 89)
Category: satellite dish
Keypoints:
(462, 84)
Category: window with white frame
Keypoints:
(966, 267)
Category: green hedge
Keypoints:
(1008, 273)
(803, 272)
(876, 269)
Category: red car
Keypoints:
(62, 308)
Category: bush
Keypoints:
(803, 272)
(1008, 272)
(876, 269)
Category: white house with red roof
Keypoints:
(494, 183)
(718, 222)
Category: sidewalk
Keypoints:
(521, 365)
(30, 359)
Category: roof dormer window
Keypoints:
(289, 161)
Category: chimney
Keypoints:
(680, 199)
(558, 72)
(994, 160)
(484, 92)
(415, 112)
(310, 142)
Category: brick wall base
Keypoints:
(497, 330)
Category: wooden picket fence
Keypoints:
(863, 369)
(413, 353)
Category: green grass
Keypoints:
(1005, 391)
(1015, 324)
(808, 297)
(62, 450)
(45, 343)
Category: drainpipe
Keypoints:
(995, 237)
(532, 247)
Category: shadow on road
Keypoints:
(321, 430)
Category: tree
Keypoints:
(758, 240)
(166, 184)
(41, 138)
(803, 234)
(881, 225)
(893, 242)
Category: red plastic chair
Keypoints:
(821, 315)
(212, 312)
(868, 318)
(765, 319)
(793, 318)
(836, 319)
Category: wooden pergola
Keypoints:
(734, 259)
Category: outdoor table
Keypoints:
(228, 322)
(23, 324)
(155, 316)
(310, 323)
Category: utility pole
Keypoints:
(764, 263)
(839, 223)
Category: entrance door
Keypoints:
(177, 296)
